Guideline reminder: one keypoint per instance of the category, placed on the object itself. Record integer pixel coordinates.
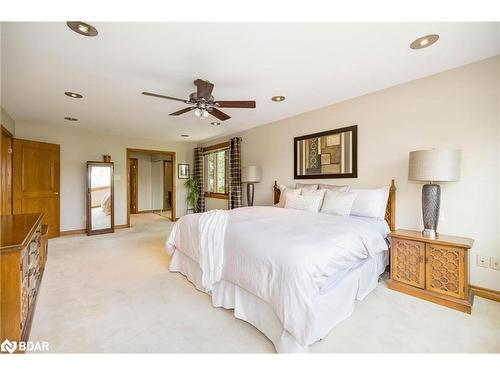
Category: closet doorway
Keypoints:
(151, 183)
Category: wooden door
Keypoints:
(408, 262)
(445, 270)
(36, 181)
(134, 170)
(6, 173)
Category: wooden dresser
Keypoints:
(436, 270)
(23, 254)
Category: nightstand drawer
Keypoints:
(445, 270)
(408, 262)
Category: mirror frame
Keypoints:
(354, 172)
(111, 229)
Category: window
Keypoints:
(216, 172)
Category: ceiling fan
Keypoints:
(204, 104)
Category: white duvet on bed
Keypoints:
(282, 256)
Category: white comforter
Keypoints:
(283, 256)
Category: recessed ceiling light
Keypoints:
(185, 135)
(71, 119)
(73, 95)
(424, 41)
(278, 98)
(215, 123)
(82, 28)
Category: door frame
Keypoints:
(173, 215)
(136, 184)
(165, 162)
(7, 207)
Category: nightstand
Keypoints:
(436, 270)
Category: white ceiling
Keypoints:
(313, 65)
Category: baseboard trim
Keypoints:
(72, 232)
(83, 231)
(491, 294)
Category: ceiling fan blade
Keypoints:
(219, 114)
(204, 89)
(235, 103)
(164, 97)
(180, 112)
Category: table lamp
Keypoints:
(437, 165)
(251, 175)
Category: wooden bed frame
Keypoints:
(390, 210)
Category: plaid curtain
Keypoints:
(198, 176)
(235, 195)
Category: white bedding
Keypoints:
(282, 256)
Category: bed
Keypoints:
(292, 274)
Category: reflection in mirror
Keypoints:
(100, 197)
(330, 154)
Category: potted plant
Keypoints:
(192, 193)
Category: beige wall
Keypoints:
(456, 109)
(78, 146)
(7, 121)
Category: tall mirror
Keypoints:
(100, 198)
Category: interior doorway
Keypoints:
(133, 182)
(151, 183)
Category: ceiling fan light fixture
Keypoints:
(424, 41)
(185, 135)
(82, 28)
(71, 119)
(278, 98)
(215, 123)
(201, 113)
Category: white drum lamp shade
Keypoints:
(434, 165)
(251, 174)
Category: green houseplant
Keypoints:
(192, 193)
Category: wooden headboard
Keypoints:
(390, 210)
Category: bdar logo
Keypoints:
(8, 346)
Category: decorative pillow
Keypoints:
(341, 188)
(310, 203)
(370, 202)
(284, 190)
(338, 203)
(309, 187)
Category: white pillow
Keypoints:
(320, 193)
(338, 203)
(310, 203)
(284, 190)
(309, 187)
(341, 188)
(370, 202)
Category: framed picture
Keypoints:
(329, 154)
(183, 170)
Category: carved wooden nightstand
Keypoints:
(436, 270)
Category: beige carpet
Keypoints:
(113, 293)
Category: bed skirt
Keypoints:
(330, 308)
